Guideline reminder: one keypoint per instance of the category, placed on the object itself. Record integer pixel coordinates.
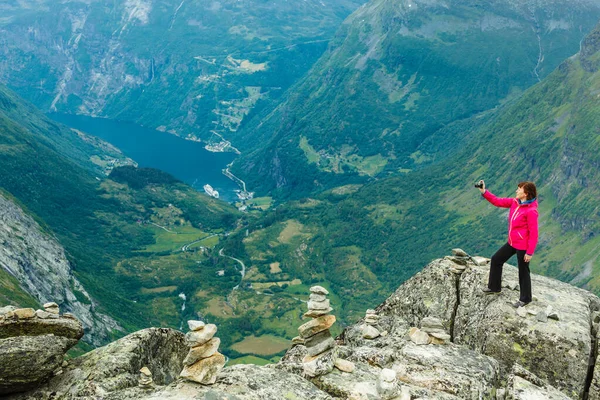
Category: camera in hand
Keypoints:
(479, 185)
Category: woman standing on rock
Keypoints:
(522, 238)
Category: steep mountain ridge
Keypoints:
(398, 72)
(40, 265)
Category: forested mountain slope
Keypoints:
(189, 67)
(397, 73)
(373, 236)
(123, 234)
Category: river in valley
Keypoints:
(186, 160)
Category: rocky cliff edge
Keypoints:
(438, 337)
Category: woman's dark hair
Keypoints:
(529, 188)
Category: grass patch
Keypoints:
(248, 360)
(264, 345)
(217, 307)
(275, 268)
(292, 228)
(163, 289)
(174, 240)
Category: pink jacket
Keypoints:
(522, 221)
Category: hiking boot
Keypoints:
(490, 291)
(519, 303)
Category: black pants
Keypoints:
(495, 280)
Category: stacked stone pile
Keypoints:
(369, 328)
(316, 335)
(146, 381)
(203, 362)
(387, 384)
(432, 332)
(461, 260)
(435, 329)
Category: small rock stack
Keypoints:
(203, 363)
(460, 258)
(146, 381)
(316, 335)
(387, 387)
(432, 331)
(52, 308)
(435, 329)
(369, 329)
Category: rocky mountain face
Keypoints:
(397, 73)
(438, 337)
(40, 265)
(190, 67)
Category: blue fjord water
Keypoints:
(186, 160)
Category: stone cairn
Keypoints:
(387, 387)
(146, 381)
(51, 311)
(315, 335)
(203, 363)
(432, 332)
(369, 328)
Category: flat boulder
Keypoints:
(32, 348)
(108, 372)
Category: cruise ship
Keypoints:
(210, 191)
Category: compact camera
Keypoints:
(479, 185)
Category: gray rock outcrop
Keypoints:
(115, 368)
(32, 348)
(485, 349)
(40, 265)
(488, 347)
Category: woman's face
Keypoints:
(521, 195)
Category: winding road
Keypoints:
(185, 248)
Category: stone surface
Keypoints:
(50, 304)
(204, 371)
(27, 361)
(318, 305)
(106, 372)
(24, 313)
(319, 290)
(297, 340)
(321, 365)
(459, 253)
(204, 351)
(523, 385)
(42, 314)
(370, 332)
(196, 325)
(387, 387)
(198, 338)
(6, 309)
(388, 375)
(145, 371)
(317, 313)
(317, 297)
(316, 325)
(344, 365)
(557, 351)
(65, 327)
(321, 347)
(419, 337)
